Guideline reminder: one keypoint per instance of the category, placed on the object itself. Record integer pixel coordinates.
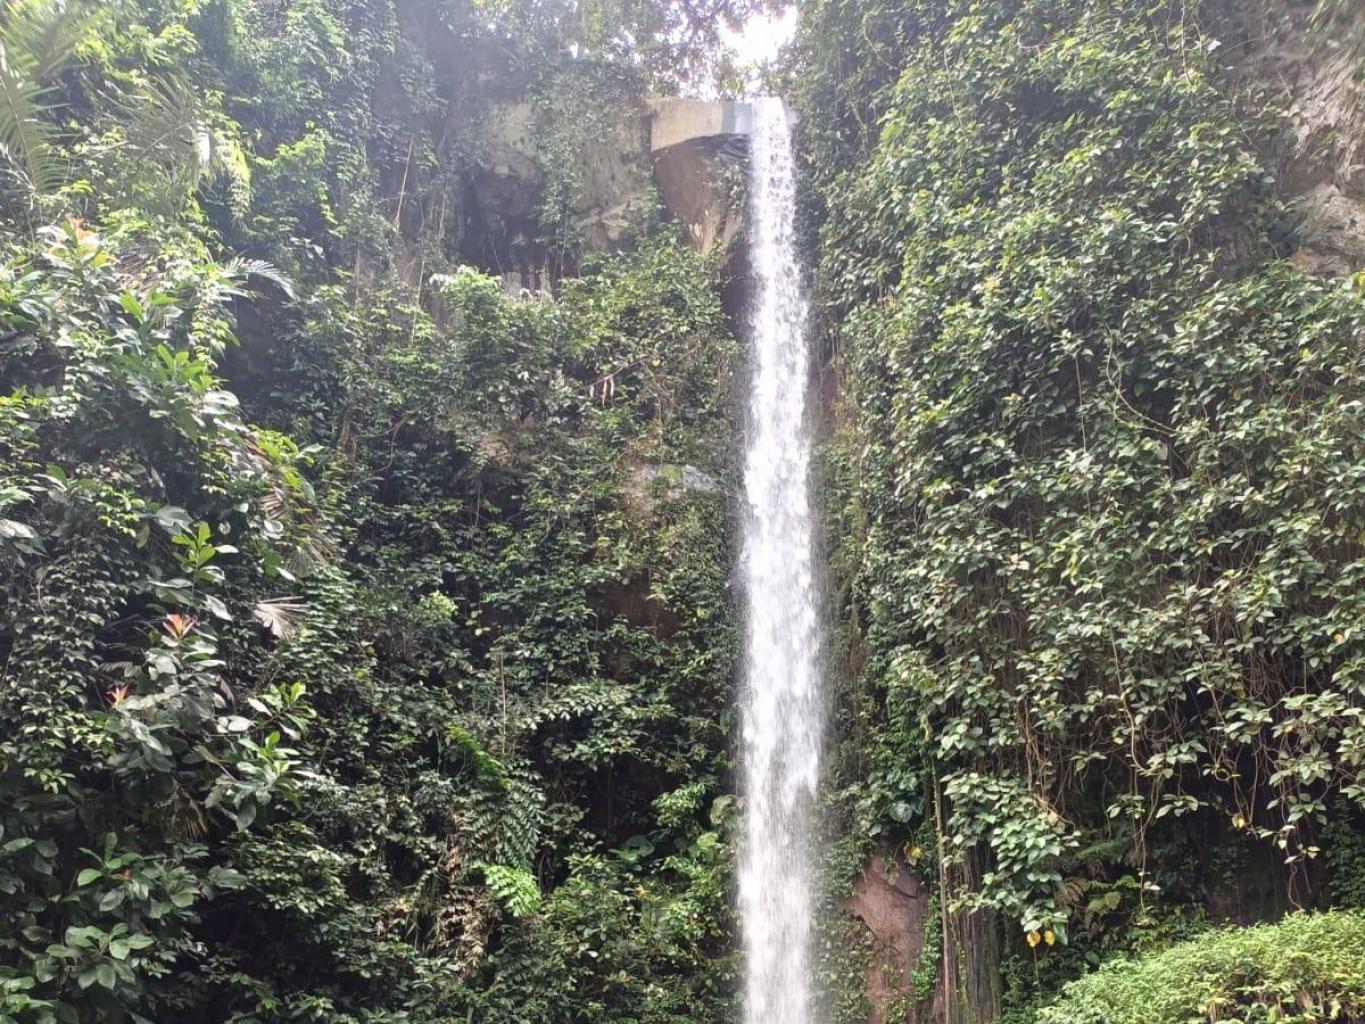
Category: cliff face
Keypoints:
(1318, 63)
(1072, 233)
(686, 154)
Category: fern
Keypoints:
(488, 767)
(514, 888)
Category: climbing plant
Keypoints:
(1098, 458)
(364, 630)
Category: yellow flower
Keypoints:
(1238, 821)
(1049, 937)
(1033, 938)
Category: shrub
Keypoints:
(1306, 969)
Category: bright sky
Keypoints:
(762, 36)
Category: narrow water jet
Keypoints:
(781, 691)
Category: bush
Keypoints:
(1306, 969)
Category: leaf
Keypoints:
(515, 888)
(37, 37)
(226, 878)
(25, 136)
(217, 608)
(220, 403)
(130, 304)
(87, 876)
(636, 848)
(11, 529)
(246, 268)
(47, 32)
(173, 519)
(279, 615)
(245, 815)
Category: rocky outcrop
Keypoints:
(611, 188)
(649, 483)
(913, 975)
(699, 150)
(893, 903)
(693, 150)
(1316, 54)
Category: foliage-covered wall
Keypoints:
(1099, 473)
(365, 632)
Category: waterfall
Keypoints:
(782, 703)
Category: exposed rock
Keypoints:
(616, 180)
(699, 153)
(1322, 71)
(506, 183)
(647, 483)
(677, 121)
(636, 605)
(694, 150)
(893, 904)
(612, 189)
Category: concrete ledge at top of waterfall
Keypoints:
(695, 145)
(674, 121)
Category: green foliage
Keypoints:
(1343, 845)
(1305, 969)
(127, 743)
(336, 761)
(1101, 450)
(365, 631)
(514, 888)
(37, 37)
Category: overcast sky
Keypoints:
(762, 36)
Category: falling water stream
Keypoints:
(782, 705)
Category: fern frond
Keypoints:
(515, 888)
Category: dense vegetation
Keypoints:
(1303, 970)
(366, 628)
(1098, 472)
(366, 644)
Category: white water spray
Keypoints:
(783, 707)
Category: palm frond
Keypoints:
(37, 39)
(25, 136)
(242, 268)
(163, 125)
(280, 615)
(46, 32)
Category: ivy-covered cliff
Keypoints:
(364, 620)
(367, 450)
(1095, 477)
